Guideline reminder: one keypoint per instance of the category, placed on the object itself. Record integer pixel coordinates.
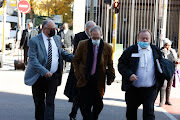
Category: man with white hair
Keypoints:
(70, 89)
(91, 59)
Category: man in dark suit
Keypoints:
(70, 89)
(141, 76)
(68, 37)
(91, 58)
(44, 70)
(26, 35)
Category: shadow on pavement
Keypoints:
(21, 107)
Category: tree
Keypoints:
(54, 7)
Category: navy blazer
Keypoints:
(128, 65)
(38, 59)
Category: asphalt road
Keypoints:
(16, 101)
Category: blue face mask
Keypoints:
(143, 44)
(95, 42)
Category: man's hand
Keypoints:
(19, 47)
(62, 40)
(133, 77)
(48, 74)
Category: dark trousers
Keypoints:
(89, 97)
(26, 55)
(135, 97)
(75, 107)
(44, 92)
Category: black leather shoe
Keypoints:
(72, 118)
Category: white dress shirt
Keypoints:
(55, 54)
(87, 35)
(65, 31)
(146, 69)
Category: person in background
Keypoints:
(26, 36)
(39, 28)
(67, 38)
(170, 54)
(141, 78)
(91, 59)
(70, 88)
(44, 70)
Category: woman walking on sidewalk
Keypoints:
(171, 55)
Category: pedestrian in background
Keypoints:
(91, 58)
(44, 70)
(26, 36)
(70, 89)
(141, 76)
(39, 28)
(170, 54)
(67, 38)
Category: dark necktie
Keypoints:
(94, 61)
(49, 61)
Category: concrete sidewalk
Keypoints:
(16, 101)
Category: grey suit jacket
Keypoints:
(68, 38)
(38, 59)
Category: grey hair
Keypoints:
(145, 30)
(96, 28)
(45, 22)
(89, 23)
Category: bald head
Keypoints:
(88, 26)
(47, 26)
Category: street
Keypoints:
(16, 101)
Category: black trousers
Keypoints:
(44, 92)
(26, 54)
(135, 97)
(89, 98)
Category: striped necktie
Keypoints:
(49, 60)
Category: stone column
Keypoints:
(79, 16)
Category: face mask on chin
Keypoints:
(52, 33)
(95, 42)
(143, 44)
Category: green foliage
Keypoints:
(53, 7)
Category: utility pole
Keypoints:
(92, 10)
(164, 21)
(115, 19)
(4, 29)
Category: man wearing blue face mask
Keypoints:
(91, 58)
(141, 78)
(44, 70)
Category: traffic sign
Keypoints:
(24, 6)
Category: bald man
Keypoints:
(44, 70)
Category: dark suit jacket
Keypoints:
(78, 37)
(128, 65)
(68, 38)
(83, 61)
(70, 88)
(26, 36)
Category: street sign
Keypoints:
(24, 6)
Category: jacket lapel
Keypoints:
(58, 44)
(41, 42)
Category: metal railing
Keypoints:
(135, 15)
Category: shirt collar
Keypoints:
(45, 37)
(87, 34)
(148, 48)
